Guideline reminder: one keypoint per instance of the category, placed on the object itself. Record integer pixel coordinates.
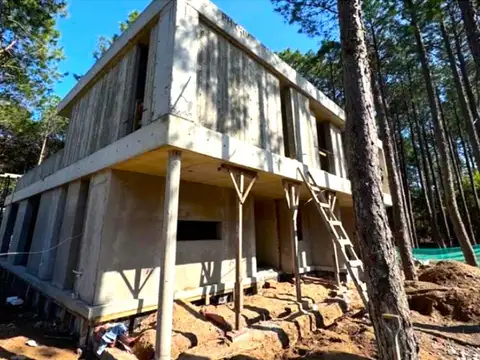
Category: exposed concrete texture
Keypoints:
(22, 230)
(91, 243)
(8, 223)
(302, 124)
(127, 223)
(45, 235)
(103, 114)
(71, 228)
(236, 95)
(338, 165)
(266, 233)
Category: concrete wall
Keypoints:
(236, 95)
(266, 233)
(46, 233)
(71, 228)
(104, 113)
(120, 257)
(301, 128)
(23, 230)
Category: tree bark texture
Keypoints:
(437, 188)
(464, 107)
(442, 145)
(463, 70)
(383, 277)
(401, 231)
(470, 20)
(425, 180)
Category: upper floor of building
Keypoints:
(188, 59)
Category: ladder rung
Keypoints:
(325, 205)
(335, 222)
(344, 242)
(355, 263)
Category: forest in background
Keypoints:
(406, 105)
(30, 130)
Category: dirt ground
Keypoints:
(445, 312)
(18, 326)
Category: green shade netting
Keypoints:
(454, 253)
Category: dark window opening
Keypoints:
(189, 230)
(299, 224)
(141, 80)
(288, 133)
(34, 202)
(7, 236)
(323, 148)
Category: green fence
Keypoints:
(454, 253)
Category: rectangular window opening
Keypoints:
(323, 148)
(34, 203)
(191, 230)
(141, 78)
(7, 237)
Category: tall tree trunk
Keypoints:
(43, 151)
(442, 145)
(464, 108)
(470, 20)
(401, 231)
(463, 69)
(437, 188)
(425, 180)
(383, 277)
(469, 167)
(457, 172)
(406, 189)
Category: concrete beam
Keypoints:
(71, 228)
(183, 134)
(45, 235)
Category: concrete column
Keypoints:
(71, 228)
(175, 79)
(168, 247)
(6, 230)
(45, 235)
(21, 231)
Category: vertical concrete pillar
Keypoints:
(21, 231)
(72, 229)
(175, 78)
(8, 223)
(168, 247)
(334, 140)
(45, 235)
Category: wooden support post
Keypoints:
(168, 246)
(242, 194)
(292, 192)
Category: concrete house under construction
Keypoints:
(184, 126)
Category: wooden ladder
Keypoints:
(337, 231)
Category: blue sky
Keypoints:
(89, 19)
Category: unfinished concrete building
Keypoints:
(184, 102)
